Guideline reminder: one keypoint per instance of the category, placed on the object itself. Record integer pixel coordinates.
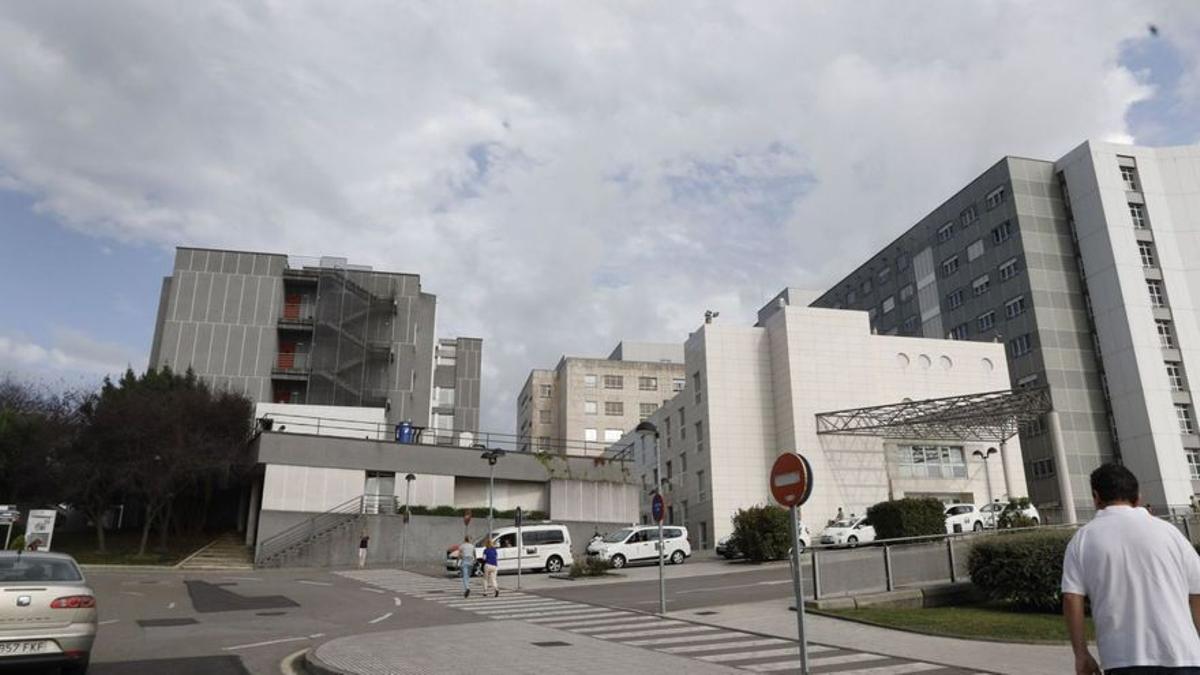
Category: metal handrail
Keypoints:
(308, 529)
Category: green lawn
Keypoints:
(122, 547)
(996, 622)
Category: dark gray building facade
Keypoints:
(998, 262)
(306, 331)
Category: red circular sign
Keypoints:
(791, 479)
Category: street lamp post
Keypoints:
(491, 456)
(407, 516)
(648, 428)
(987, 474)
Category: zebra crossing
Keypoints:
(711, 644)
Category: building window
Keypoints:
(995, 198)
(589, 380)
(906, 293)
(866, 286)
(1166, 333)
(1175, 375)
(1002, 232)
(1146, 251)
(683, 462)
(646, 409)
(677, 384)
(647, 384)
(1041, 468)
(614, 408)
(883, 275)
(975, 250)
(910, 324)
(901, 263)
(590, 408)
(545, 391)
(1020, 345)
(1157, 296)
(872, 312)
(443, 396)
(702, 493)
(969, 215)
(612, 435)
(670, 473)
(696, 384)
(949, 266)
(955, 299)
(981, 285)
(614, 382)
(1015, 307)
(1130, 178)
(1027, 381)
(851, 297)
(986, 321)
(959, 332)
(931, 461)
(682, 421)
(889, 303)
(1193, 458)
(589, 434)
(1187, 425)
(1009, 269)
(1138, 213)
(945, 232)
(544, 416)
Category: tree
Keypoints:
(172, 435)
(92, 472)
(34, 427)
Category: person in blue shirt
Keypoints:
(490, 567)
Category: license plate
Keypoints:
(24, 647)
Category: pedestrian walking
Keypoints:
(466, 564)
(363, 542)
(491, 566)
(1143, 580)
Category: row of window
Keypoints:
(929, 461)
(1041, 468)
(951, 265)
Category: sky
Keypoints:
(561, 175)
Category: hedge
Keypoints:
(1023, 569)
(761, 533)
(908, 517)
(476, 513)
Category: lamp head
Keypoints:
(410, 478)
(646, 427)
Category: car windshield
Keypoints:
(618, 536)
(844, 522)
(21, 569)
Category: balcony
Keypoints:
(291, 366)
(298, 315)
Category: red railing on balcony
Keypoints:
(297, 312)
(292, 361)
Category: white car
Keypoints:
(964, 518)
(545, 546)
(848, 532)
(640, 544)
(991, 513)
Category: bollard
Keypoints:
(816, 572)
(887, 567)
(950, 557)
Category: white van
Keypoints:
(545, 546)
(640, 544)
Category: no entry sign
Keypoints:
(791, 479)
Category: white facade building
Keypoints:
(754, 392)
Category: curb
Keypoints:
(314, 666)
(913, 631)
(293, 664)
(106, 567)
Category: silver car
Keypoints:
(47, 612)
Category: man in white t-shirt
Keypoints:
(1143, 578)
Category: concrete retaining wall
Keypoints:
(427, 539)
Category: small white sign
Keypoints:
(39, 529)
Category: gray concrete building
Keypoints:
(586, 404)
(283, 329)
(1070, 264)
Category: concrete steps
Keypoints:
(227, 552)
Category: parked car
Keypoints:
(991, 513)
(640, 544)
(963, 518)
(47, 613)
(727, 550)
(545, 546)
(848, 532)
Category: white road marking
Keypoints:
(313, 583)
(242, 578)
(897, 669)
(314, 636)
(380, 618)
(107, 622)
(677, 630)
(601, 620)
(812, 662)
(264, 644)
(713, 647)
(140, 595)
(373, 590)
(170, 605)
(397, 601)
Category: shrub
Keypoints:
(17, 543)
(590, 566)
(1022, 568)
(908, 517)
(1013, 514)
(761, 533)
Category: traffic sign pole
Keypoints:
(791, 485)
(798, 589)
(520, 544)
(658, 510)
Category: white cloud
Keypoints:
(563, 175)
(71, 356)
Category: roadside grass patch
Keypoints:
(988, 621)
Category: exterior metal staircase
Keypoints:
(278, 549)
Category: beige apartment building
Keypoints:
(584, 405)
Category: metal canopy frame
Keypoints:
(993, 416)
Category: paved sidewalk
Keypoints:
(774, 618)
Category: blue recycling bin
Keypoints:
(405, 432)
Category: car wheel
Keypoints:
(554, 565)
(852, 541)
(1035, 522)
(677, 558)
(978, 526)
(618, 561)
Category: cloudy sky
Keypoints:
(562, 175)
